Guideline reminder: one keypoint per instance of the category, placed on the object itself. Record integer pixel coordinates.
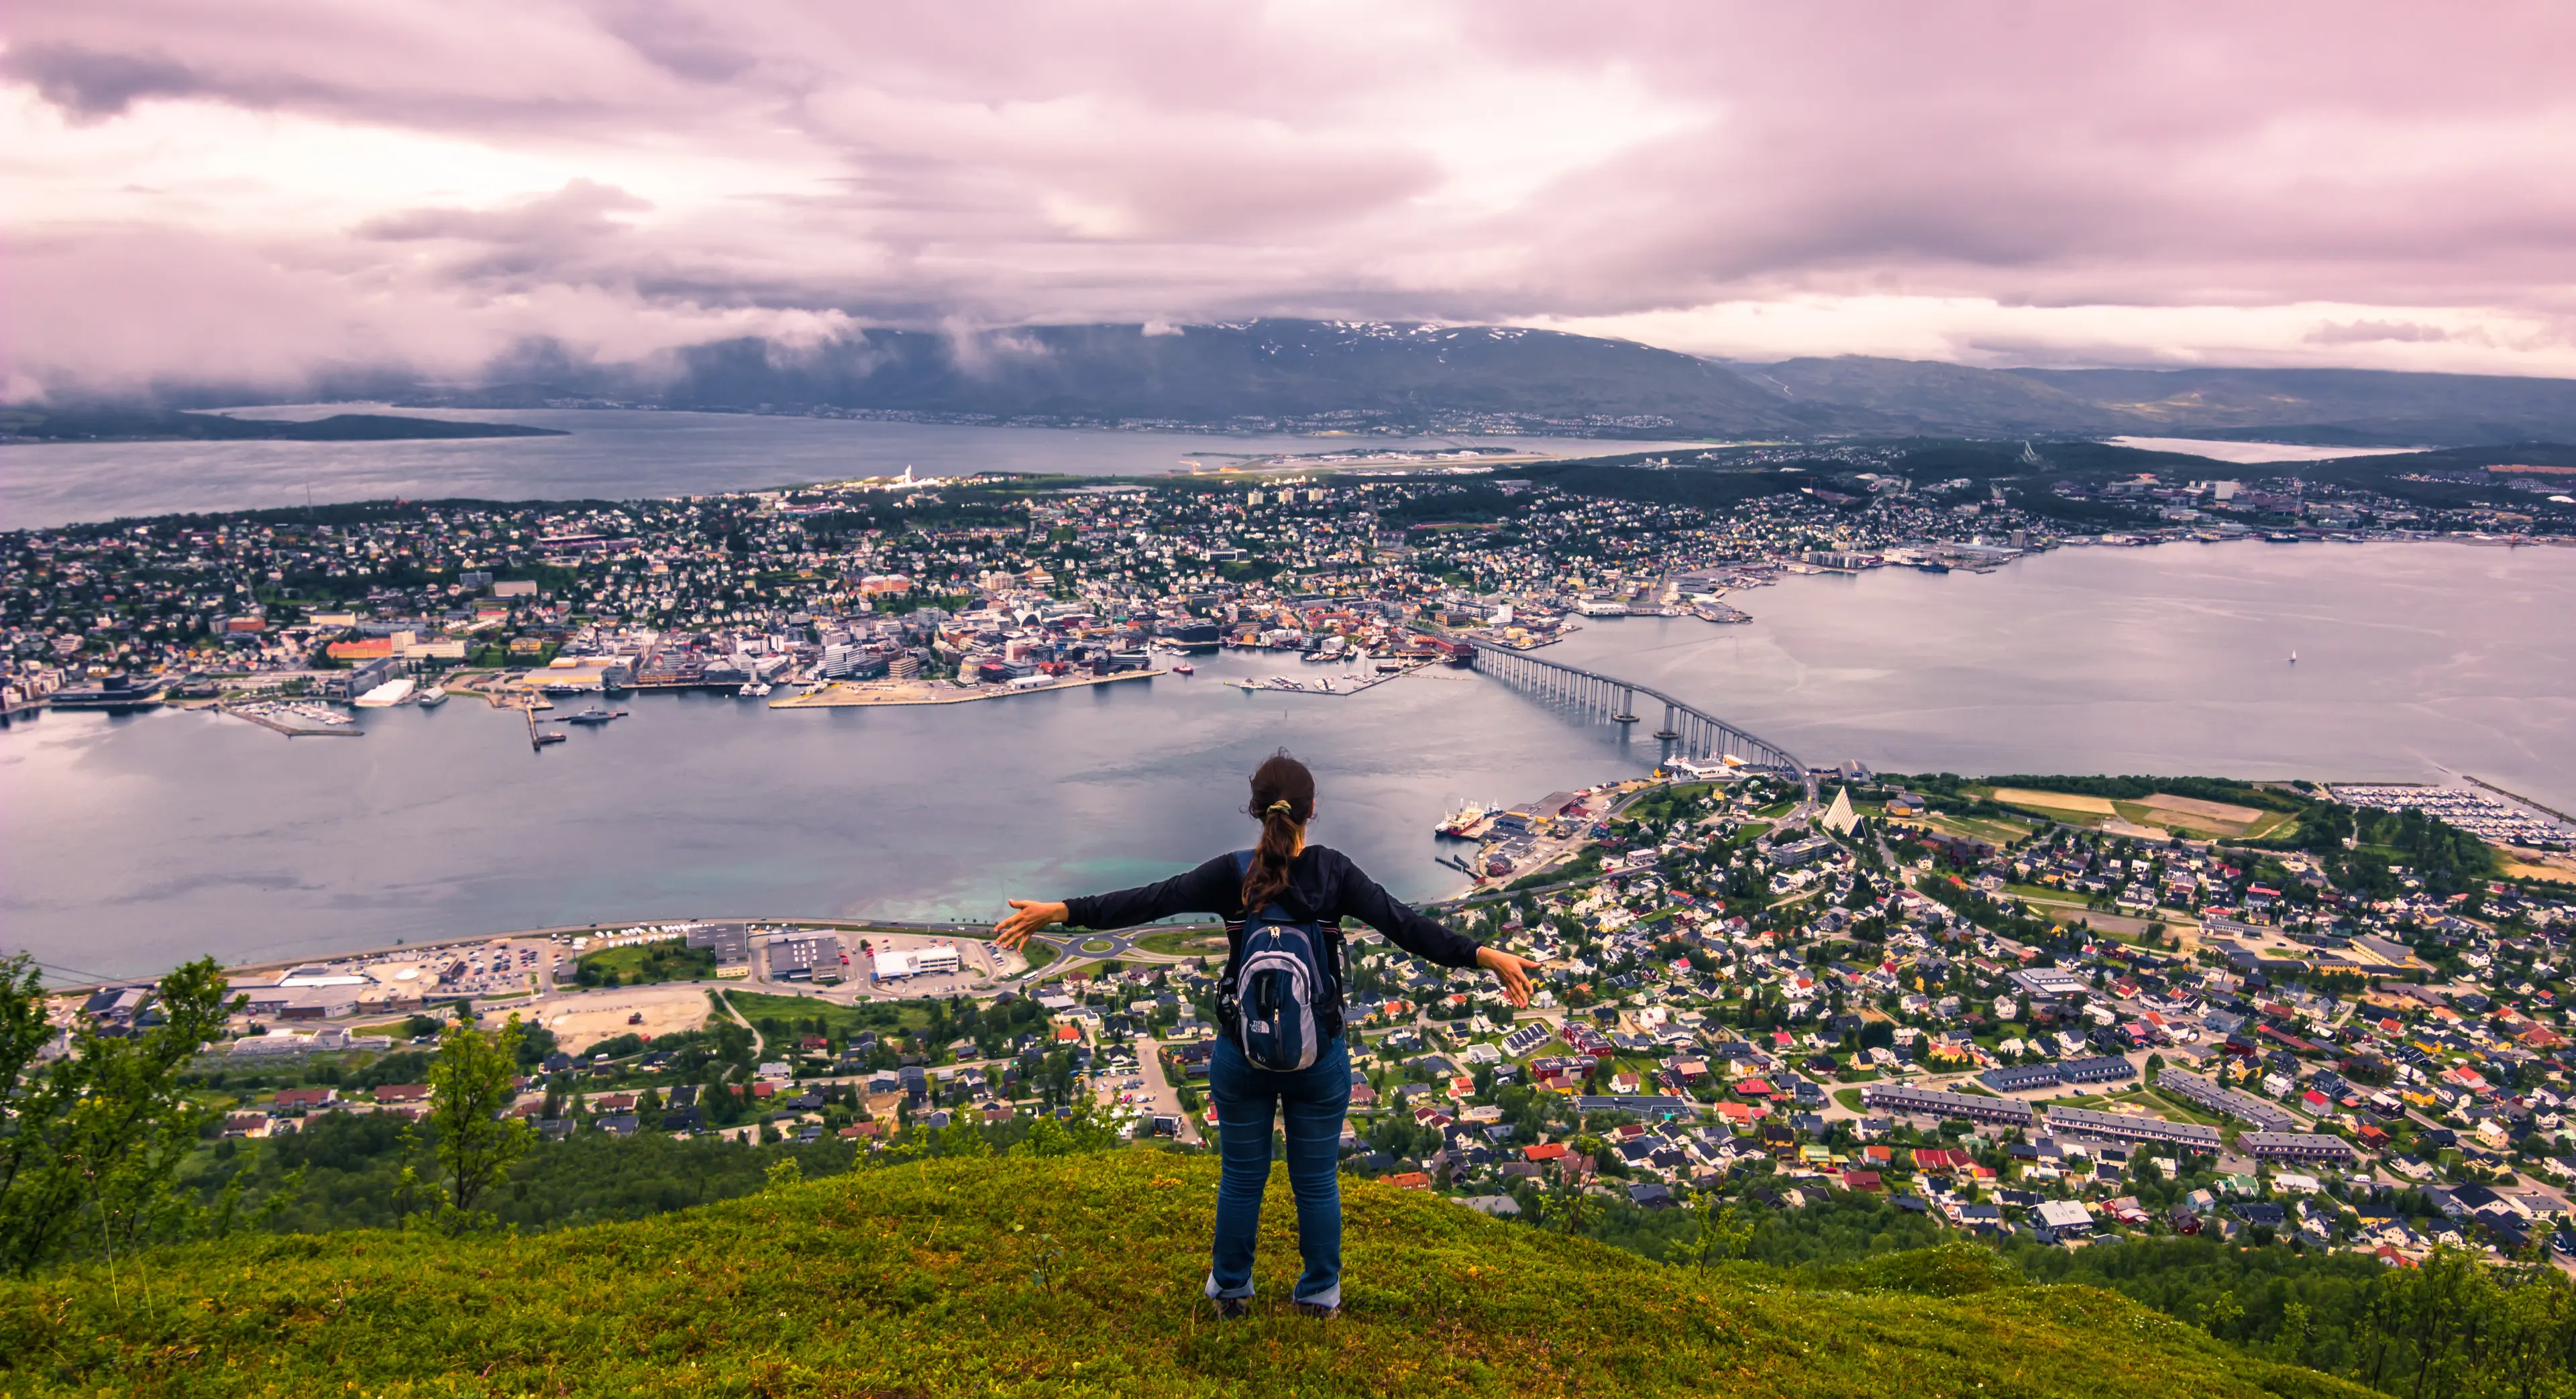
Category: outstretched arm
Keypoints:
(1365, 899)
(1211, 888)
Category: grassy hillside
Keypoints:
(1071, 1275)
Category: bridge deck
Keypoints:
(1690, 729)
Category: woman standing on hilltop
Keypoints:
(1281, 1050)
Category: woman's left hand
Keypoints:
(1512, 971)
(1027, 916)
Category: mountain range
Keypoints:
(1304, 375)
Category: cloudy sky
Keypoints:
(262, 188)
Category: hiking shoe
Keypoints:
(1231, 1308)
(1318, 1311)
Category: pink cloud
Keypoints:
(618, 172)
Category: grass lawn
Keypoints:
(1096, 946)
(2167, 1105)
(2273, 823)
(1071, 1275)
(1038, 953)
(1183, 944)
(1973, 1089)
(1850, 1099)
(1985, 828)
(649, 962)
(838, 1018)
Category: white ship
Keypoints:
(1465, 822)
(386, 695)
(756, 689)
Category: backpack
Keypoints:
(1281, 999)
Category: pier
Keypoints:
(1688, 731)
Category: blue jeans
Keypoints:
(1313, 1101)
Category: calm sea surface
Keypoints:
(128, 843)
(610, 454)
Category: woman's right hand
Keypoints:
(1026, 917)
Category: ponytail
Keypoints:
(1283, 800)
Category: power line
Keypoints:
(71, 973)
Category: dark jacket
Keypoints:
(1323, 885)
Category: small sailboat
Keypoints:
(2294, 658)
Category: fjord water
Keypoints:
(131, 842)
(605, 454)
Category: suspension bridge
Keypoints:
(1688, 731)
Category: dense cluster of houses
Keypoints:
(1871, 1025)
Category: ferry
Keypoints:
(386, 695)
(1715, 611)
(432, 697)
(1464, 822)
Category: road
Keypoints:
(1165, 1096)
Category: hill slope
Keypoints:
(1073, 1275)
(1263, 371)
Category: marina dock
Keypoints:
(290, 721)
(1322, 684)
(844, 694)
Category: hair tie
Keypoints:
(1280, 807)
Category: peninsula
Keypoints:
(33, 425)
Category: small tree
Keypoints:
(1719, 1232)
(471, 1084)
(98, 1133)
